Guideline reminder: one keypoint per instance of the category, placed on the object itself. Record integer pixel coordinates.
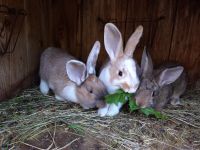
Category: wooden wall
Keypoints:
(171, 32)
(171, 28)
(20, 68)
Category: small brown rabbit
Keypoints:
(160, 86)
(71, 79)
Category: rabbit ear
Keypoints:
(76, 71)
(113, 41)
(92, 58)
(146, 64)
(169, 75)
(133, 41)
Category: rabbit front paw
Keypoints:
(59, 98)
(44, 88)
(113, 110)
(175, 101)
(103, 111)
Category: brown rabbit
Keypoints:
(70, 79)
(160, 86)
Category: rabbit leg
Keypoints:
(114, 109)
(175, 98)
(177, 92)
(59, 98)
(44, 88)
(103, 111)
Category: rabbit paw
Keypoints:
(113, 110)
(44, 88)
(175, 101)
(103, 111)
(59, 98)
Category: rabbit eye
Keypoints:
(120, 73)
(91, 91)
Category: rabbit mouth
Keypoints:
(131, 90)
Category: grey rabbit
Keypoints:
(160, 86)
(70, 79)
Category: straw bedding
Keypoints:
(33, 121)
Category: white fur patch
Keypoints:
(69, 93)
(44, 88)
(59, 98)
(114, 109)
(132, 78)
(105, 78)
(103, 111)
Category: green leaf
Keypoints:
(132, 105)
(118, 97)
(153, 112)
(122, 97)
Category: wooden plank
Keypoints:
(164, 31)
(95, 15)
(34, 34)
(19, 68)
(13, 65)
(140, 12)
(186, 44)
(65, 25)
(4, 72)
(18, 59)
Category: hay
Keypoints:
(31, 114)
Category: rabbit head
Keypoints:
(121, 70)
(90, 89)
(154, 84)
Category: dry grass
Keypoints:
(31, 114)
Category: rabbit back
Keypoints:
(170, 93)
(53, 68)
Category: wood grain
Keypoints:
(76, 25)
(185, 46)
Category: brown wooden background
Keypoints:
(171, 32)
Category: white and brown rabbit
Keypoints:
(120, 72)
(160, 86)
(71, 79)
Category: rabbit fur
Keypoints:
(120, 72)
(160, 86)
(70, 79)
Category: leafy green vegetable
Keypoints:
(118, 96)
(133, 106)
(122, 97)
(151, 111)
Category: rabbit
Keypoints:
(70, 79)
(160, 86)
(120, 72)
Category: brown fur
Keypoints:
(53, 71)
(157, 87)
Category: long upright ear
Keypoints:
(169, 75)
(76, 71)
(133, 41)
(113, 41)
(92, 58)
(146, 64)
